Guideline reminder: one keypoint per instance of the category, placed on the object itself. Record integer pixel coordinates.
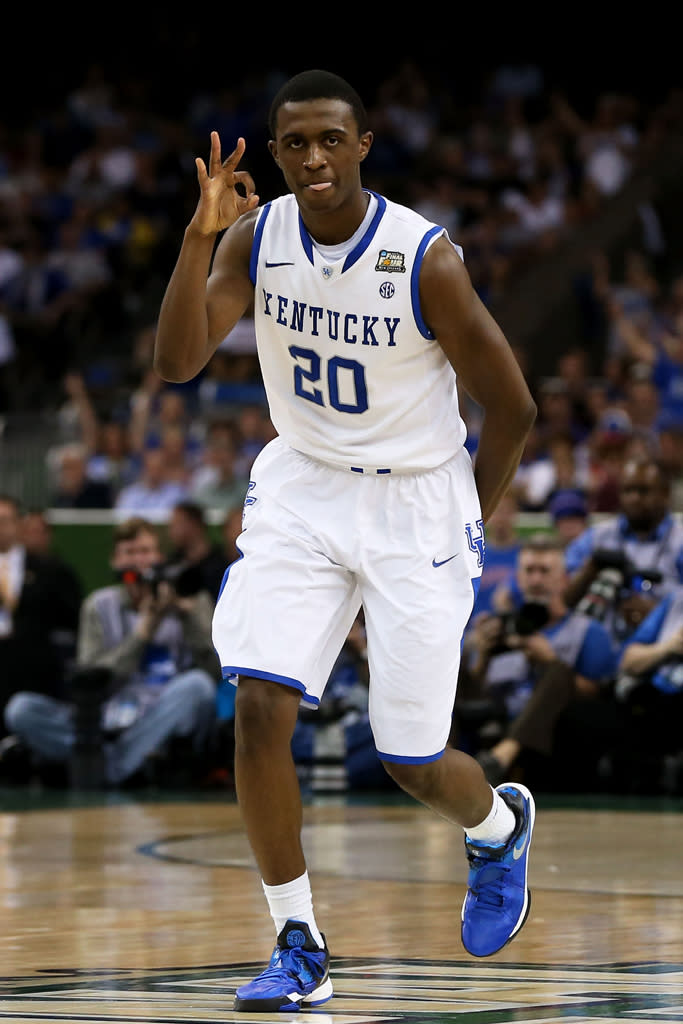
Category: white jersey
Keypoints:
(352, 373)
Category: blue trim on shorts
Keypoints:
(235, 670)
(476, 583)
(227, 571)
(408, 759)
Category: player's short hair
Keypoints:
(317, 85)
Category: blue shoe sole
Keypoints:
(273, 1005)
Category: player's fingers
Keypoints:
(231, 162)
(202, 173)
(215, 157)
(245, 178)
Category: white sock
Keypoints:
(292, 901)
(497, 826)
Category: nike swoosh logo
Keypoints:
(437, 564)
(517, 851)
(289, 263)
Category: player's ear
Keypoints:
(272, 146)
(365, 143)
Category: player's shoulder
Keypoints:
(281, 206)
(426, 231)
(408, 216)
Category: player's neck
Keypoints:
(332, 228)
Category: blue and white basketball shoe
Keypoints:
(498, 898)
(298, 974)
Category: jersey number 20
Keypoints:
(308, 371)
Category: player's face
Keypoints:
(319, 150)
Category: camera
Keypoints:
(186, 579)
(523, 621)
(616, 577)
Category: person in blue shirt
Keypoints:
(650, 690)
(538, 658)
(502, 547)
(610, 563)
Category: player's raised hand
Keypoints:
(220, 203)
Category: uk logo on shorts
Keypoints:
(251, 499)
(476, 540)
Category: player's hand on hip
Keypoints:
(220, 203)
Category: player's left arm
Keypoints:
(485, 364)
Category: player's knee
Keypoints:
(419, 780)
(265, 712)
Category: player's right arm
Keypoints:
(202, 303)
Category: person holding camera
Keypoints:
(533, 660)
(148, 650)
(621, 567)
(649, 753)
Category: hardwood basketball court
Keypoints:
(149, 908)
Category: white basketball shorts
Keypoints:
(317, 541)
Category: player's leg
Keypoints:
(281, 619)
(417, 599)
(266, 782)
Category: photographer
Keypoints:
(621, 567)
(649, 756)
(193, 547)
(155, 648)
(534, 661)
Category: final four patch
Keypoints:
(392, 262)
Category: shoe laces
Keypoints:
(291, 962)
(490, 878)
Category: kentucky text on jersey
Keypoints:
(316, 321)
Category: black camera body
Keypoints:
(616, 577)
(530, 617)
(186, 579)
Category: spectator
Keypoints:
(37, 301)
(156, 647)
(38, 613)
(502, 547)
(643, 535)
(111, 459)
(537, 659)
(255, 429)
(608, 449)
(650, 686)
(226, 486)
(561, 468)
(154, 491)
(231, 528)
(670, 453)
(193, 548)
(73, 488)
(568, 509)
(153, 408)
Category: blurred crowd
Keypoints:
(95, 192)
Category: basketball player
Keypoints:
(364, 312)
